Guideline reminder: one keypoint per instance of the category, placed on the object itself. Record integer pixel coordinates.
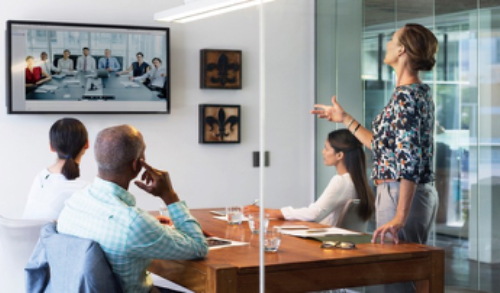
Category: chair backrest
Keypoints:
(65, 263)
(59, 56)
(17, 240)
(350, 219)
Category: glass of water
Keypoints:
(254, 222)
(272, 239)
(234, 215)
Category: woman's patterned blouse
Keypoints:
(402, 142)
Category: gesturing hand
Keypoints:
(334, 113)
(392, 227)
(157, 183)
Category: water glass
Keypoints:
(234, 215)
(272, 239)
(163, 210)
(254, 222)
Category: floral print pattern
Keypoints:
(402, 142)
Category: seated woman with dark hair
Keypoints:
(35, 75)
(138, 68)
(343, 151)
(53, 185)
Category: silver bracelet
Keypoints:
(349, 124)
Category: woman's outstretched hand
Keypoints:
(334, 113)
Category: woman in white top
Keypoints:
(343, 151)
(55, 184)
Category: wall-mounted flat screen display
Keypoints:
(87, 68)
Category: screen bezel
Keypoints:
(9, 94)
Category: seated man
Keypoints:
(85, 62)
(109, 63)
(106, 213)
(156, 76)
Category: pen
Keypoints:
(255, 202)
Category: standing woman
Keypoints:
(53, 185)
(401, 140)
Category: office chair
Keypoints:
(17, 240)
(65, 263)
(349, 218)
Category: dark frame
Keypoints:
(213, 124)
(165, 93)
(228, 67)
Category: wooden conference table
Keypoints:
(300, 265)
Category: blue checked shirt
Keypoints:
(130, 237)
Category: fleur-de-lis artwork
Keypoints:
(219, 123)
(220, 69)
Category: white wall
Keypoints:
(203, 175)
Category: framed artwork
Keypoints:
(219, 123)
(220, 69)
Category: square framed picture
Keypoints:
(219, 123)
(220, 69)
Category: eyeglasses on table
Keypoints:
(338, 244)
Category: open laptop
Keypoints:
(102, 73)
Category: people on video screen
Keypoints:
(35, 75)
(138, 68)
(85, 62)
(108, 62)
(155, 78)
(45, 63)
(65, 64)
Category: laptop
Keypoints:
(102, 73)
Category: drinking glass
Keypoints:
(272, 239)
(234, 215)
(254, 222)
(163, 210)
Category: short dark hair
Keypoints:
(156, 58)
(85, 48)
(116, 147)
(139, 53)
(44, 53)
(68, 136)
(66, 50)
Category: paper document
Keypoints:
(164, 283)
(293, 227)
(319, 232)
(218, 212)
(223, 218)
(130, 84)
(216, 243)
(48, 87)
(71, 81)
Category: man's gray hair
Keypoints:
(116, 147)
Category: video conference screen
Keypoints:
(81, 68)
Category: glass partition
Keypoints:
(464, 82)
